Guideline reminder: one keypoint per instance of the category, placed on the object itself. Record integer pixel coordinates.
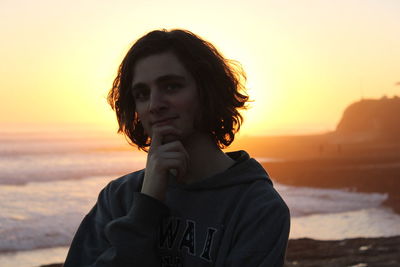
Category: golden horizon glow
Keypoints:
(305, 60)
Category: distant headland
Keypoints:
(371, 119)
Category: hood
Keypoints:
(245, 170)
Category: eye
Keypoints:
(140, 94)
(172, 87)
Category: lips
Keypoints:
(163, 121)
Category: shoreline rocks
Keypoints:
(358, 252)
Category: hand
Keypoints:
(166, 153)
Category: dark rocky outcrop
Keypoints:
(348, 252)
(375, 119)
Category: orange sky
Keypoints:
(306, 60)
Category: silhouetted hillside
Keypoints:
(373, 119)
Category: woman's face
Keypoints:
(165, 93)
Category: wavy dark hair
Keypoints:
(220, 84)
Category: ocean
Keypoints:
(48, 183)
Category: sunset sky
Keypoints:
(305, 60)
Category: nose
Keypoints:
(157, 102)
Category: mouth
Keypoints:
(164, 121)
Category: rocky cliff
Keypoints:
(377, 119)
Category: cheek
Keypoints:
(195, 111)
(140, 111)
(189, 105)
(143, 120)
(194, 114)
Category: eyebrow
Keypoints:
(161, 79)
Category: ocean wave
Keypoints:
(307, 200)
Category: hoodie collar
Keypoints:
(244, 170)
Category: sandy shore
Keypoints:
(358, 252)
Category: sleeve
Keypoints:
(126, 241)
(262, 235)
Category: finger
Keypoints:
(173, 155)
(160, 160)
(156, 139)
(176, 164)
(164, 134)
(176, 146)
(176, 156)
(179, 161)
(173, 172)
(168, 138)
(176, 149)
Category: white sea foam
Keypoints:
(332, 214)
(373, 222)
(47, 214)
(308, 200)
(21, 169)
(23, 161)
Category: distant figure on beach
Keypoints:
(178, 99)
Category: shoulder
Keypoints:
(262, 195)
(133, 181)
(263, 210)
(117, 196)
(260, 223)
(260, 201)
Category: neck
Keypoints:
(205, 158)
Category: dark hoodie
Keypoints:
(234, 218)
